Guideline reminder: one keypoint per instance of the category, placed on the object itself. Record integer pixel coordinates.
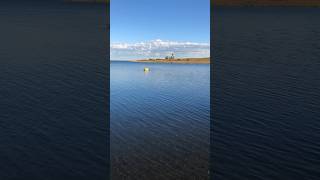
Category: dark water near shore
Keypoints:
(266, 106)
(53, 84)
(159, 121)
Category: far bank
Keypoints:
(176, 61)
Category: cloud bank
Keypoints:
(158, 49)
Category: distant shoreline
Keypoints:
(176, 61)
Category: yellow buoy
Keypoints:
(146, 69)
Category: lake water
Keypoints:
(266, 106)
(160, 126)
(53, 92)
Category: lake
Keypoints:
(266, 93)
(160, 120)
(53, 92)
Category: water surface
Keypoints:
(266, 118)
(53, 89)
(159, 121)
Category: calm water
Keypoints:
(266, 106)
(53, 77)
(159, 121)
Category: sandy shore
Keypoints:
(176, 61)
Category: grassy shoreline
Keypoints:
(176, 61)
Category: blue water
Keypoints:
(53, 92)
(160, 124)
(266, 93)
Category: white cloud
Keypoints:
(158, 49)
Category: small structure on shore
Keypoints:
(170, 57)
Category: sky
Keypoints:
(155, 28)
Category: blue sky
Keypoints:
(154, 28)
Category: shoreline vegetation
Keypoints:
(284, 3)
(176, 61)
